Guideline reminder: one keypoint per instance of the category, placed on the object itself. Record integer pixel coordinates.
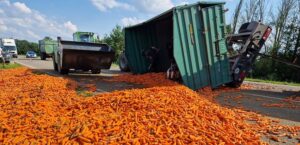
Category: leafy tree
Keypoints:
(116, 40)
(250, 11)
(24, 46)
(236, 16)
(47, 38)
(280, 22)
(228, 29)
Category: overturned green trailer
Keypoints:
(193, 36)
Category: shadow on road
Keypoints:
(102, 81)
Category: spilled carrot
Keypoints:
(51, 112)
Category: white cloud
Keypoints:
(32, 34)
(154, 6)
(29, 24)
(129, 21)
(22, 7)
(70, 27)
(182, 3)
(3, 27)
(6, 2)
(39, 18)
(104, 5)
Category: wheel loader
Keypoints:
(82, 54)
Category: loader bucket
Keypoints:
(85, 56)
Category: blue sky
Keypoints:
(34, 19)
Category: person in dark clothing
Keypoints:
(151, 55)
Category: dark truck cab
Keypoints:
(250, 38)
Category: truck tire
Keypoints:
(64, 71)
(96, 71)
(123, 63)
(43, 56)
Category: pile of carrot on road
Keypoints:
(41, 109)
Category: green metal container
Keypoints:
(197, 34)
(47, 47)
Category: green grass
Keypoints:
(9, 66)
(272, 82)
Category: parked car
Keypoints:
(31, 54)
(5, 56)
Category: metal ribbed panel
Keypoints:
(214, 25)
(135, 41)
(189, 49)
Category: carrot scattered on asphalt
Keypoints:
(41, 109)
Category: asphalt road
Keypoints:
(262, 97)
(100, 80)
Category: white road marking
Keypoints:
(262, 96)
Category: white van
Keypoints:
(9, 45)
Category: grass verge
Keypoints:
(272, 82)
(9, 66)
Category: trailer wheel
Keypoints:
(63, 71)
(123, 63)
(96, 71)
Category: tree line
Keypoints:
(24, 46)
